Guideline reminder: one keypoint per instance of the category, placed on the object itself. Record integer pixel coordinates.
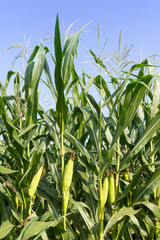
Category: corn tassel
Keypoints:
(66, 183)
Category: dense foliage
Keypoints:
(82, 170)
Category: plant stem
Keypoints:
(100, 211)
(118, 164)
(152, 161)
(62, 170)
(157, 223)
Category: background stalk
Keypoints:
(118, 164)
(100, 210)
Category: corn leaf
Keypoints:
(147, 188)
(124, 211)
(32, 77)
(5, 228)
(49, 79)
(69, 51)
(61, 106)
(9, 75)
(82, 149)
(5, 170)
(152, 207)
(127, 114)
(152, 127)
(88, 221)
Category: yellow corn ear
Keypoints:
(126, 176)
(68, 172)
(35, 181)
(111, 192)
(67, 180)
(17, 202)
(104, 192)
(158, 192)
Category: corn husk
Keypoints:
(111, 191)
(66, 183)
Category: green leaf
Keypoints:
(147, 188)
(156, 96)
(152, 207)
(32, 78)
(124, 211)
(82, 149)
(5, 170)
(9, 75)
(61, 105)
(152, 127)
(69, 52)
(5, 228)
(49, 79)
(33, 54)
(90, 124)
(127, 115)
(89, 222)
(36, 228)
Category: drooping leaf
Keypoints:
(32, 77)
(147, 188)
(127, 115)
(124, 211)
(88, 221)
(152, 127)
(69, 51)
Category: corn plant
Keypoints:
(82, 169)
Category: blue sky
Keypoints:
(138, 20)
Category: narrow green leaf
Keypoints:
(9, 75)
(5, 170)
(49, 79)
(33, 54)
(61, 105)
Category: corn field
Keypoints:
(84, 169)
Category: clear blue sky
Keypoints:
(139, 21)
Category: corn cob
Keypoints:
(35, 181)
(103, 193)
(111, 192)
(66, 183)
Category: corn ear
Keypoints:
(65, 201)
(66, 183)
(68, 172)
(104, 192)
(34, 183)
(158, 192)
(111, 192)
(126, 176)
